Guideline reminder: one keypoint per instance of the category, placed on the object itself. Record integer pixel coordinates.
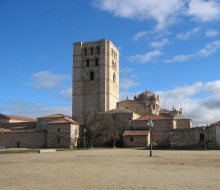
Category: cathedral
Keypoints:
(100, 119)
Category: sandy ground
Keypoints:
(111, 169)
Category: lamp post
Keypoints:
(84, 138)
(150, 126)
(204, 138)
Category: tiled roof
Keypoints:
(17, 118)
(215, 124)
(63, 121)
(135, 133)
(57, 115)
(153, 117)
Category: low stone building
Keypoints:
(22, 135)
(62, 133)
(133, 138)
(52, 131)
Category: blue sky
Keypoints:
(169, 47)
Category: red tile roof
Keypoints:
(63, 121)
(135, 133)
(17, 118)
(215, 124)
(153, 117)
(57, 115)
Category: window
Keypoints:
(201, 137)
(96, 62)
(92, 75)
(114, 78)
(87, 62)
(58, 140)
(58, 130)
(131, 139)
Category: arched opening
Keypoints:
(92, 75)
(114, 78)
(87, 62)
(96, 62)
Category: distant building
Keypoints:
(52, 131)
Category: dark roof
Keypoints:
(57, 115)
(153, 117)
(116, 110)
(217, 123)
(135, 133)
(5, 116)
(63, 121)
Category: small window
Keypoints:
(201, 137)
(96, 62)
(58, 130)
(131, 139)
(92, 75)
(87, 62)
(114, 78)
(58, 140)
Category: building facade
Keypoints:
(95, 79)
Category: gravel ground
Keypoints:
(111, 169)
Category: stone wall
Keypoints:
(192, 137)
(160, 132)
(183, 123)
(62, 135)
(135, 141)
(34, 139)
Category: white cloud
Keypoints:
(206, 51)
(188, 34)
(211, 33)
(66, 94)
(200, 101)
(163, 12)
(47, 79)
(139, 35)
(210, 48)
(203, 10)
(145, 58)
(126, 83)
(161, 43)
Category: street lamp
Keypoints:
(204, 138)
(84, 138)
(150, 125)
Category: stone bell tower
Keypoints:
(95, 79)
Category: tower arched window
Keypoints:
(96, 62)
(114, 78)
(87, 62)
(92, 75)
